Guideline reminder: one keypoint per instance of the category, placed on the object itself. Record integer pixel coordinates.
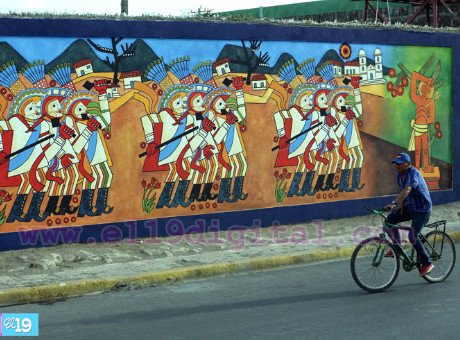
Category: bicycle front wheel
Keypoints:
(441, 251)
(370, 268)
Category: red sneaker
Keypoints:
(389, 253)
(425, 269)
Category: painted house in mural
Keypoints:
(337, 65)
(83, 67)
(372, 73)
(129, 78)
(222, 66)
(351, 68)
(112, 92)
(259, 82)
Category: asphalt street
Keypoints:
(316, 301)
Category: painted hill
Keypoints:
(81, 49)
(144, 56)
(77, 51)
(237, 59)
(285, 57)
(8, 54)
(330, 55)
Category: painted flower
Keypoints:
(437, 125)
(157, 185)
(281, 176)
(75, 200)
(153, 180)
(288, 175)
(400, 90)
(9, 97)
(196, 80)
(107, 135)
(390, 86)
(208, 205)
(243, 128)
(405, 81)
(192, 207)
(49, 222)
(58, 221)
(276, 139)
(154, 86)
(73, 219)
(160, 92)
(214, 205)
(345, 51)
(149, 186)
(7, 198)
(290, 90)
(77, 192)
(143, 145)
(215, 186)
(3, 193)
(217, 177)
(66, 220)
(200, 206)
(439, 134)
(53, 83)
(392, 72)
(277, 173)
(285, 85)
(144, 183)
(393, 93)
(3, 90)
(285, 171)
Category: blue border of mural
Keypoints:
(237, 31)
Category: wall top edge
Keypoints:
(46, 26)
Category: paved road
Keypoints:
(318, 301)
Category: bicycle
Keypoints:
(375, 272)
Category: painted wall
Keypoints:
(171, 124)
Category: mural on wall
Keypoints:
(102, 130)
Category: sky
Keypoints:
(136, 7)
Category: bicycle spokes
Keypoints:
(370, 269)
(441, 251)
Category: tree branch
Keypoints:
(117, 40)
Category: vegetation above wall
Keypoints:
(212, 17)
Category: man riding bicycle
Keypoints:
(412, 204)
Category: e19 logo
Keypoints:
(18, 324)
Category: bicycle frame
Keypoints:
(408, 261)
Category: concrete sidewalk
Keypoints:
(60, 272)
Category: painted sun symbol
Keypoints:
(345, 51)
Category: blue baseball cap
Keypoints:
(401, 158)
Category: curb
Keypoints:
(62, 291)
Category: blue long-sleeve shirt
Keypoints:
(419, 197)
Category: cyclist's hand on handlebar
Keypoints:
(388, 207)
(392, 207)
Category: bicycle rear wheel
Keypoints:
(441, 251)
(371, 270)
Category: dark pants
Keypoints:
(419, 220)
